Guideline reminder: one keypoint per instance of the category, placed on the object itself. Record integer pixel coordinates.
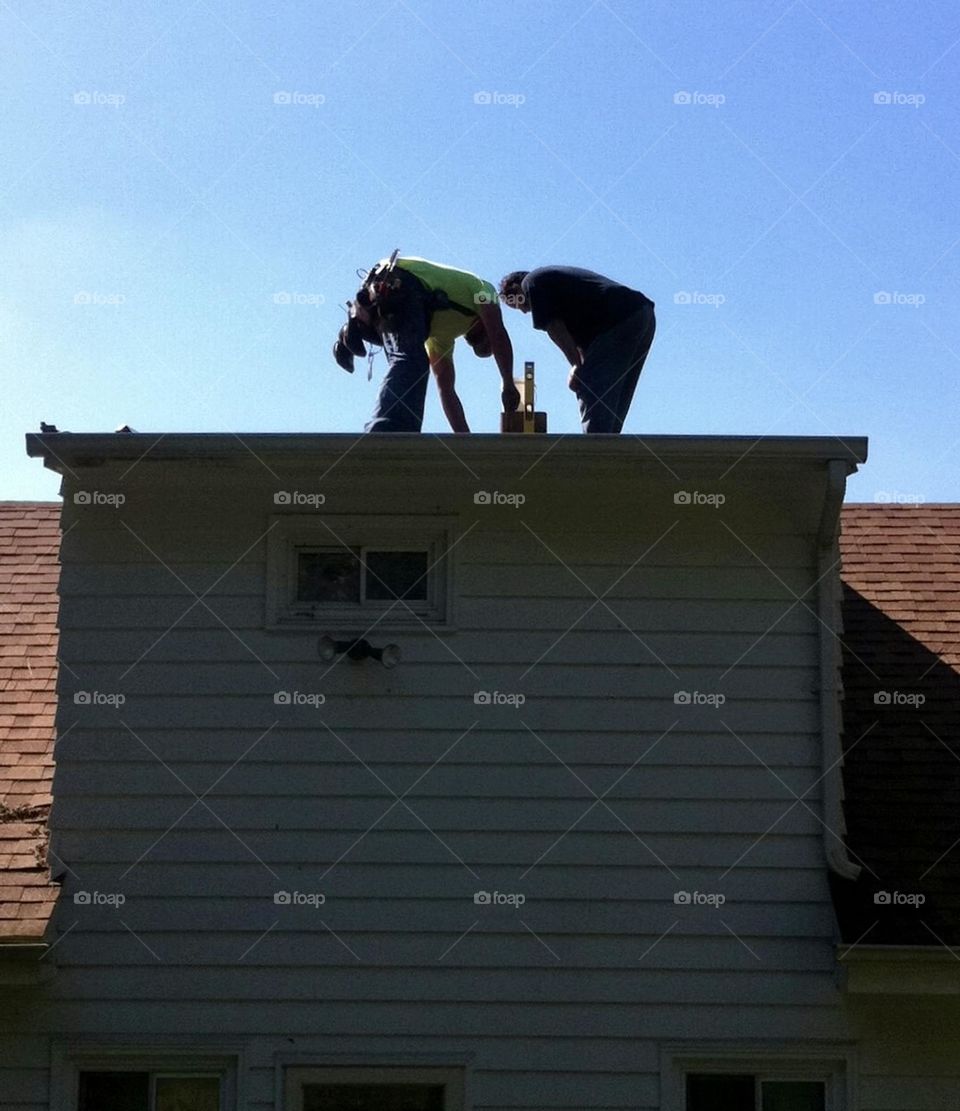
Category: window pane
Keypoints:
(187, 1093)
(114, 1091)
(393, 575)
(792, 1095)
(373, 1097)
(720, 1092)
(328, 576)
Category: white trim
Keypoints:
(292, 1077)
(194, 1055)
(834, 1064)
(830, 627)
(434, 533)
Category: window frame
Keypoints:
(293, 533)
(68, 1060)
(296, 1075)
(835, 1065)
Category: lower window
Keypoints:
(125, 1090)
(374, 1089)
(724, 1092)
(719, 1077)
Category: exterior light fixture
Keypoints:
(357, 650)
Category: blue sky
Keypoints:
(189, 187)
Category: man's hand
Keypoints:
(573, 382)
(510, 398)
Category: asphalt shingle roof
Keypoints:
(901, 713)
(29, 569)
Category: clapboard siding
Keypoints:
(674, 955)
(508, 848)
(442, 815)
(713, 747)
(639, 884)
(562, 1002)
(644, 679)
(442, 1021)
(761, 644)
(140, 773)
(520, 582)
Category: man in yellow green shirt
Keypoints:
(434, 305)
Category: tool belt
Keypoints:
(385, 298)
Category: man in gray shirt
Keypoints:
(603, 328)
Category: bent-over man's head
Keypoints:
(511, 290)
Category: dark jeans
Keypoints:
(611, 369)
(403, 391)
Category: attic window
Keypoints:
(358, 575)
(348, 572)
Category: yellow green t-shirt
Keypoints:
(462, 287)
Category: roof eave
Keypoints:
(63, 450)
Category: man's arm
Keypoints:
(557, 331)
(502, 350)
(443, 371)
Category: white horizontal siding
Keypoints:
(136, 771)
(402, 846)
(709, 750)
(561, 1003)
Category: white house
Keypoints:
(568, 833)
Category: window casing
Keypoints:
(336, 1088)
(120, 1089)
(347, 572)
(798, 1077)
(115, 1076)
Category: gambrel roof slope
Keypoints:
(29, 567)
(901, 713)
